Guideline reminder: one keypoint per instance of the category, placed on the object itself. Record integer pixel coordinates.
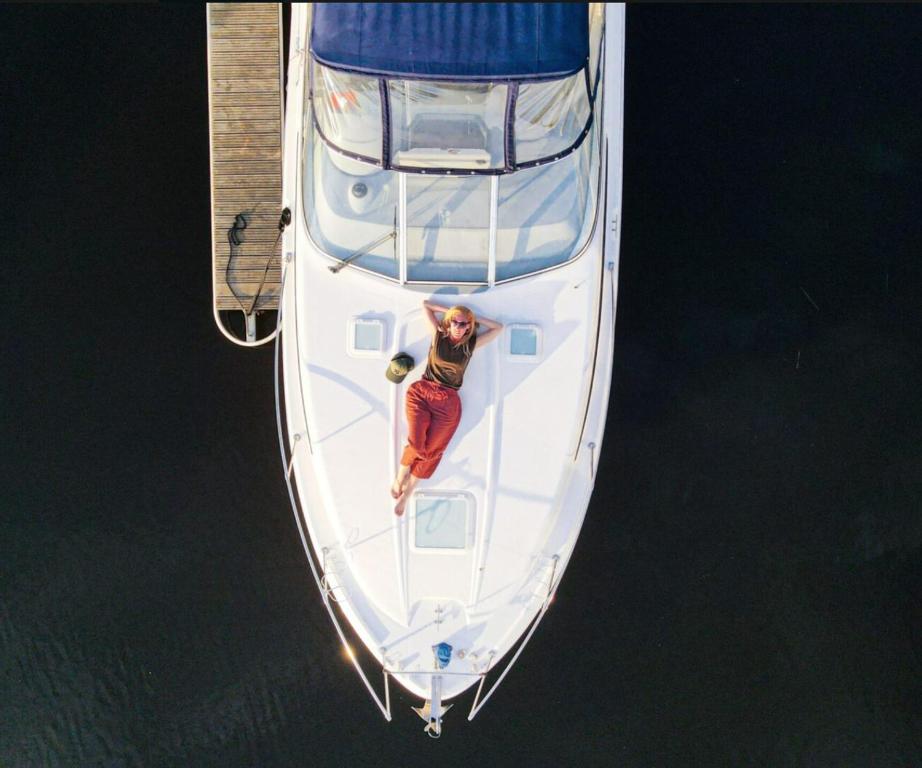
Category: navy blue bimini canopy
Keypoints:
(453, 41)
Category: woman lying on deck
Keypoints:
(433, 405)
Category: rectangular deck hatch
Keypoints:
(524, 343)
(366, 336)
(442, 521)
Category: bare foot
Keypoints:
(400, 481)
(407, 492)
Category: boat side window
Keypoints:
(447, 125)
(550, 116)
(348, 110)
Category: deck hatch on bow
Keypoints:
(524, 342)
(442, 522)
(367, 336)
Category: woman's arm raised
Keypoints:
(494, 329)
(431, 309)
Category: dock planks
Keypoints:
(245, 117)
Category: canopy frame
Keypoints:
(509, 166)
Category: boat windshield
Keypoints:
(459, 126)
(447, 208)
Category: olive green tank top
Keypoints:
(447, 362)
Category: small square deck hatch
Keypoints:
(524, 343)
(442, 521)
(366, 336)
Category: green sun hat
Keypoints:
(398, 368)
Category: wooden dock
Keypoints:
(245, 115)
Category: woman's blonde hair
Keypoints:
(462, 313)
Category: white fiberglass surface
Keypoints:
(464, 564)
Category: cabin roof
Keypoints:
(453, 41)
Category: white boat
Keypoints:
(467, 154)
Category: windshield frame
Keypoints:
(597, 157)
(510, 164)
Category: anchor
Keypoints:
(432, 710)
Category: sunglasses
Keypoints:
(460, 323)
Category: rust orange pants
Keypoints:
(433, 413)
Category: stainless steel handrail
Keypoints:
(288, 464)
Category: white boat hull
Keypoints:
(524, 457)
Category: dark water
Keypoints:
(747, 589)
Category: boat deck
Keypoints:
(245, 92)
